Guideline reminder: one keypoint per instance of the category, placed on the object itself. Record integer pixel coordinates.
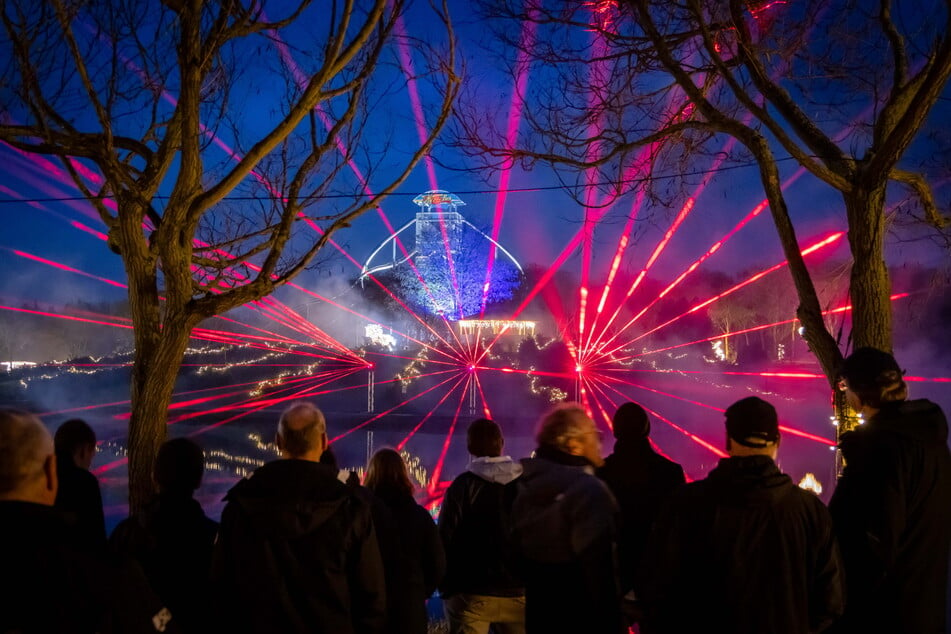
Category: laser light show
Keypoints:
(437, 241)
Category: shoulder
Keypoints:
(692, 494)
(422, 515)
(87, 478)
(462, 482)
(867, 444)
(592, 488)
(669, 465)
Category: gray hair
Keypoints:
(564, 422)
(300, 428)
(24, 445)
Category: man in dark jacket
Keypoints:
(482, 587)
(566, 530)
(46, 584)
(641, 481)
(745, 550)
(79, 497)
(892, 505)
(296, 549)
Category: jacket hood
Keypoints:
(289, 498)
(750, 478)
(501, 470)
(919, 420)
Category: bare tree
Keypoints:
(130, 96)
(843, 88)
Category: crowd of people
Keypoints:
(565, 540)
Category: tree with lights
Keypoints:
(133, 99)
(844, 89)
(456, 291)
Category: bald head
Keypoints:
(27, 459)
(302, 432)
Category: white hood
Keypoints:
(501, 469)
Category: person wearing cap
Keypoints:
(745, 550)
(892, 505)
(642, 481)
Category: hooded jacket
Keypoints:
(566, 534)
(892, 509)
(476, 529)
(297, 552)
(744, 551)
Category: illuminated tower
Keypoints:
(437, 214)
(450, 257)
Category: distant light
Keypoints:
(810, 483)
(471, 368)
(578, 368)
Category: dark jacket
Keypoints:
(565, 532)
(80, 499)
(297, 552)
(414, 568)
(642, 481)
(172, 540)
(892, 510)
(47, 585)
(476, 529)
(744, 551)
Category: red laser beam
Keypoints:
(437, 470)
(697, 439)
(522, 65)
(829, 240)
(402, 443)
(784, 428)
(840, 309)
(653, 444)
(395, 407)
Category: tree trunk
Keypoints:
(870, 286)
(154, 372)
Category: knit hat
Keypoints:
(863, 368)
(631, 421)
(752, 422)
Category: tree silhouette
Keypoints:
(134, 98)
(842, 88)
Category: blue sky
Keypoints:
(535, 226)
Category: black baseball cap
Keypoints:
(752, 422)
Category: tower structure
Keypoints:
(449, 258)
(439, 224)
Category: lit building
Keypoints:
(445, 272)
